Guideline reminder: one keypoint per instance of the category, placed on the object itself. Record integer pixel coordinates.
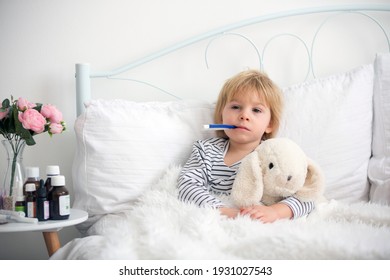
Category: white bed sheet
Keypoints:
(159, 226)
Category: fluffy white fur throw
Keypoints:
(161, 227)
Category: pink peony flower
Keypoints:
(55, 128)
(33, 120)
(23, 104)
(3, 114)
(52, 113)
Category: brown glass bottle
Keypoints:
(59, 199)
(32, 175)
(31, 201)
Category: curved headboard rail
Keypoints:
(83, 73)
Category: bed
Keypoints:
(129, 153)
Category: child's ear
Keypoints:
(248, 185)
(267, 133)
(269, 128)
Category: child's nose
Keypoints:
(244, 115)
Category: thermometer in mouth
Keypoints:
(218, 126)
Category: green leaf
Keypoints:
(28, 138)
(38, 107)
(9, 124)
(5, 104)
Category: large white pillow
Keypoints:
(123, 148)
(331, 119)
(379, 168)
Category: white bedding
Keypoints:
(159, 226)
(129, 154)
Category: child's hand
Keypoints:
(266, 214)
(229, 212)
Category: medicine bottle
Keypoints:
(31, 201)
(51, 170)
(20, 201)
(59, 199)
(43, 212)
(32, 175)
(20, 204)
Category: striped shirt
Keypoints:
(205, 176)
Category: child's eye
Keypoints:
(257, 110)
(235, 107)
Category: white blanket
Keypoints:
(161, 227)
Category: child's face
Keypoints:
(250, 114)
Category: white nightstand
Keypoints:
(49, 228)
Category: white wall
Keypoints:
(41, 40)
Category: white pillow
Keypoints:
(123, 148)
(379, 168)
(331, 119)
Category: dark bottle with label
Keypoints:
(59, 199)
(42, 203)
(31, 201)
(20, 204)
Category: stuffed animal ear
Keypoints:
(313, 188)
(248, 185)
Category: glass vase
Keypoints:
(14, 172)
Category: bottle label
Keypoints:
(31, 210)
(20, 208)
(64, 202)
(46, 210)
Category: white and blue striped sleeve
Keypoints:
(298, 207)
(192, 182)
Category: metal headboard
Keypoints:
(83, 73)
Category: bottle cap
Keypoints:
(32, 172)
(58, 180)
(30, 187)
(52, 170)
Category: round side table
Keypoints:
(48, 228)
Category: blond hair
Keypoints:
(263, 85)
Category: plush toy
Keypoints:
(277, 169)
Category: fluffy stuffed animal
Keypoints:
(278, 168)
